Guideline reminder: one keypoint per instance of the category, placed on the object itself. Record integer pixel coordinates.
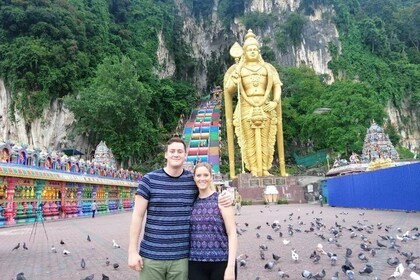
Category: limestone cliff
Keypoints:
(209, 41)
(49, 131)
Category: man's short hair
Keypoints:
(175, 140)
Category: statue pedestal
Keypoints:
(253, 189)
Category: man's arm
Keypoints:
(225, 199)
(135, 261)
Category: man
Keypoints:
(168, 195)
(238, 203)
(93, 207)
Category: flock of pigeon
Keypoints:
(65, 253)
(344, 248)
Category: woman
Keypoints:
(213, 232)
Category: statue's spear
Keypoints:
(236, 52)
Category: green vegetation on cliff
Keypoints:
(100, 57)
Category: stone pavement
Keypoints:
(39, 263)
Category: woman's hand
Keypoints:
(229, 273)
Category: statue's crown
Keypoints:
(250, 39)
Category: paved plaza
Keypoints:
(39, 263)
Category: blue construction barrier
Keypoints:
(390, 188)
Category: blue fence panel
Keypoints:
(389, 188)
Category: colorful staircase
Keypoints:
(201, 134)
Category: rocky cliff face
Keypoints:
(208, 40)
(50, 131)
(407, 124)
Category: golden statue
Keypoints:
(257, 119)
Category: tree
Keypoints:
(353, 106)
(114, 108)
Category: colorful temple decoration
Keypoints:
(378, 152)
(377, 145)
(37, 184)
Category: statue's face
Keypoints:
(252, 52)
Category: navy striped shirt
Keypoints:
(167, 229)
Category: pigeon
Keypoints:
(282, 274)
(53, 249)
(276, 257)
(88, 238)
(381, 245)
(269, 237)
(319, 275)
(350, 274)
(393, 261)
(411, 265)
(398, 272)
(242, 257)
(114, 244)
(20, 276)
(362, 257)
(66, 253)
(258, 235)
(286, 242)
(242, 263)
(107, 262)
(115, 265)
(262, 255)
(16, 247)
(345, 268)
(333, 258)
(368, 269)
(269, 265)
(320, 249)
(316, 258)
(83, 263)
(90, 277)
(335, 276)
(348, 252)
(62, 242)
(349, 264)
(306, 274)
(414, 276)
(264, 247)
(24, 246)
(104, 277)
(373, 252)
(295, 256)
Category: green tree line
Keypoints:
(99, 57)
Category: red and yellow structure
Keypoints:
(28, 194)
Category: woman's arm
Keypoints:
(229, 220)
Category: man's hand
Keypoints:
(225, 199)
(135, 261)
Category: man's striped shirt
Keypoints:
(167, 229)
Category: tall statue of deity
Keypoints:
(257, 119)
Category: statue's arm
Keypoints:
(276, 85)
(275, 89)
(230, 80)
